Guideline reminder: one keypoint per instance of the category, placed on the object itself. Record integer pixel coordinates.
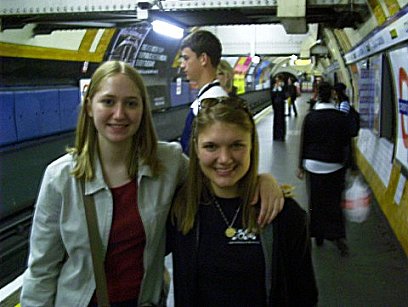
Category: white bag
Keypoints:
(356, 199)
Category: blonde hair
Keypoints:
(197, 188)
(224, 68)
(144, 143)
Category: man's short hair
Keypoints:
(204, 42)
(325, 91)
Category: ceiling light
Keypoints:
(256, 59)
(167, 29)
(303, 62)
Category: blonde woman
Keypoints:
(132, 179)
(225, 74)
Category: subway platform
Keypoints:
(375, 274)
(376, 271)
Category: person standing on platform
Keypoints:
(278, 97)
(200, 56)
(221, 257)
(291, 92)
(343, 104)
(131, 178)
(225, 74)
(341, 97)
(118, 162)
(315, 87)
(324, 140)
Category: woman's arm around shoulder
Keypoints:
(271, 196)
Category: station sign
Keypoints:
(393, 32)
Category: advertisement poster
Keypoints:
(83, 87)
(366, 94)
(151, 54)
(376, 68)
(262, 73)
(399, 66)
(370, 92)
(240, 69)
(250, 78)
(128, 42)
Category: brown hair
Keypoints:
(202, 41)
(197, 188)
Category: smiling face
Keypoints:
(223, 150)
(116, 110)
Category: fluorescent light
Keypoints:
(256, 59)
(167, 29)
(303, 62)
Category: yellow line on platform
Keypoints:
(258, 117)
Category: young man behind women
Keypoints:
(200, 56)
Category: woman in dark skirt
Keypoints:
(324, 141)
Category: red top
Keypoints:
(124, 257)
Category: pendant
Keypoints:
(230, 232)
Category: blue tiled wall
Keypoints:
(27, 114)
(183, 95)
(69, 102)
(8, 132)
(34, 113)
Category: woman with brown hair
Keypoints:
(221, 257)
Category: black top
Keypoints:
(291, 91)
(325, 136)
(230, 270)
(288, 277)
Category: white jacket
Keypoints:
(60, 269)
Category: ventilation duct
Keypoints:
(292, 15)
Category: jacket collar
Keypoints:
(325, 105)
(98, 182)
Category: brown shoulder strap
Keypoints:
(96, 249)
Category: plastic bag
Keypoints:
(356, 199)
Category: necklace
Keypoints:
(229, 231)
